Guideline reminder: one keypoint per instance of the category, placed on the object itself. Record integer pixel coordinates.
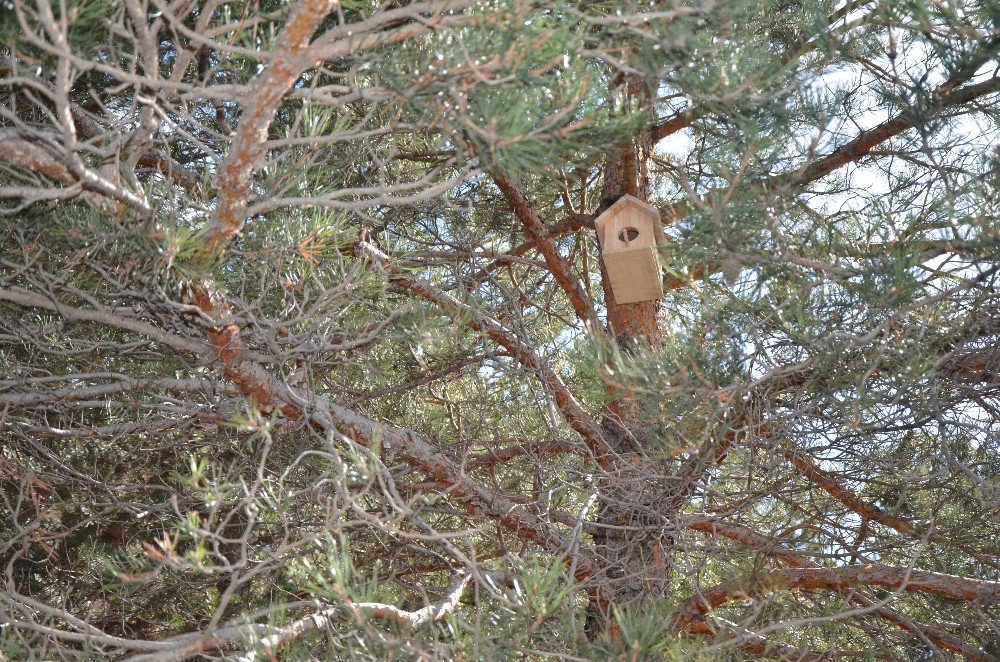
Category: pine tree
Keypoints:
(309, 347)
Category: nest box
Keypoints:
(628, 245)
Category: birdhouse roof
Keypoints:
(622, 202)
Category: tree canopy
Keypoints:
(309, 349)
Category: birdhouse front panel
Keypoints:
(628, 246)
(634, 274)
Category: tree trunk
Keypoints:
(633, 549)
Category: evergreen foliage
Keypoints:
(306, 348)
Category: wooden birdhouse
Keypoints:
(628, 245)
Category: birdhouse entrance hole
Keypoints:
(628, 235)
(628, 249)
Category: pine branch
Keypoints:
(260, 105)
(557, 265)
(565, 401)
(691, 613)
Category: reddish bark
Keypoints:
(260, 106)
(690, 615)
